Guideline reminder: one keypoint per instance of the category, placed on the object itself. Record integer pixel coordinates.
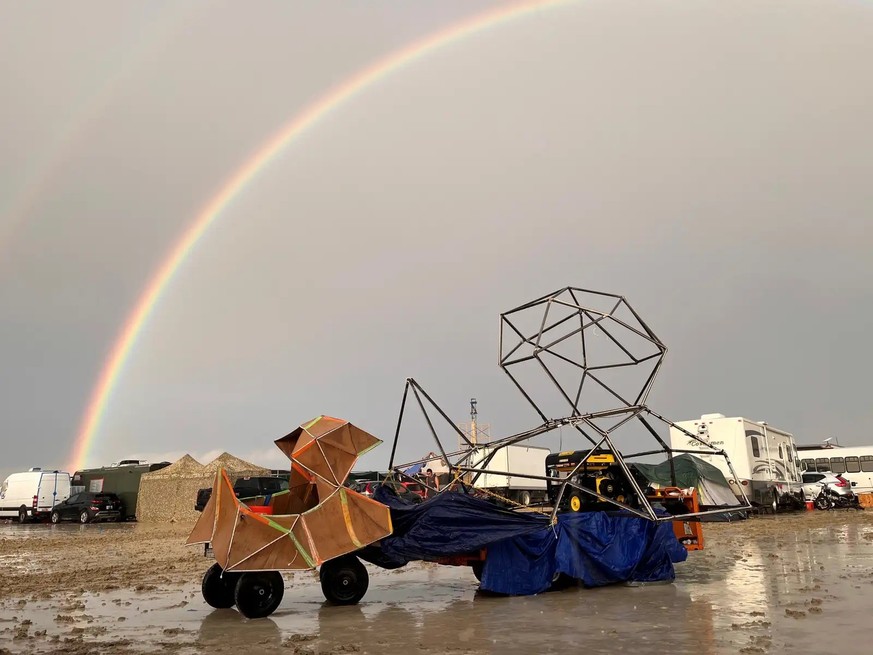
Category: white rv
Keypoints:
(32, 494)
(764, 458)
(524, 460)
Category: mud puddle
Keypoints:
(768, 585)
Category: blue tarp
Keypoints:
(525, 552)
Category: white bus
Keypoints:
(855, 463)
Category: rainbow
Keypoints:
(312, 114)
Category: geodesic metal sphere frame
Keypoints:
(602, 359)
(588, 334)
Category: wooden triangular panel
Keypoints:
(252, 534)
(202, 532)
(322, 425)
(226, 517)
(363, 441)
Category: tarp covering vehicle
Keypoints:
(526, 553)
(690, 471)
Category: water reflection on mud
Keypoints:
(767, 585)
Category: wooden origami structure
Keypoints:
(317, 519)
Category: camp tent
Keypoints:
(712, 487)
(170, 494)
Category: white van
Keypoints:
(32, 494)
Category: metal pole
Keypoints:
(430, 425)
(399, 422)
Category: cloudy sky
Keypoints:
(710, 161)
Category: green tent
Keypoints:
(712, 487)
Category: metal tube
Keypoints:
(460, 432)
(430, 425)
(399, 422)
(640, 492)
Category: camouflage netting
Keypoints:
(168, 495)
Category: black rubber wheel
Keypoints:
(524, 498)
(775, 502)
(561, 581)
(344, 580)
(56, 517)
(478, 567)
(22, 515)
(259, 593)
(84, 517)
(218, 590)
(822, 502)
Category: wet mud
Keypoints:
(789, 583)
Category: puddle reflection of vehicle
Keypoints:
(221, 626)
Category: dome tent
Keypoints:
(170, 493)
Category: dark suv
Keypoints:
(86, 507)
(246, 488)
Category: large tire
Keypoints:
(259, 593)
(218, 590)
(56, 517)
(524, 498)
(85, 517)
(22, 515)
(344, 580)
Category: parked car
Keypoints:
(813, 481)
(88, 506)
(402, 489)
(364, 487)
(416, 488)
(247, 487)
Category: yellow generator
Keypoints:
(600, 473)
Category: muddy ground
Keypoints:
(791, 583)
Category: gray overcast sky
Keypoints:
(710, 161)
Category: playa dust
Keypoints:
(790, 583)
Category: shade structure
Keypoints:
(315, 520)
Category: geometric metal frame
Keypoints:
(572, 310)
(567, 316)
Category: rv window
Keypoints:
(822, 464)
(852, 465)
(867, 463)
(809, 465)
(756, 451)
(838, 465)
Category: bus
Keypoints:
(855, 463)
